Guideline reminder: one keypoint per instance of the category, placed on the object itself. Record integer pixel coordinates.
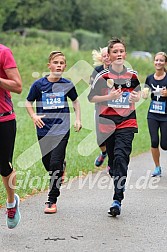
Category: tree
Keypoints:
(141, 23)
(6, 8)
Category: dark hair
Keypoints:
(114, 41)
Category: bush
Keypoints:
(29, 36)
(88, 40)
(10, 39)
(57, 38)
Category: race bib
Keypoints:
(122, 102)
(157, 107)
(53, 100)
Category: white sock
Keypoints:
(11, 205)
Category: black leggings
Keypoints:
(53, 150)
(7, 140)
(154, 127)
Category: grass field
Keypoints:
(82, 148)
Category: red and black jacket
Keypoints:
(115, 118)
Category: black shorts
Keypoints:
(7, 140)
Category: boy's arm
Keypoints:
(36, 118)
(77, 110)
(112, 95)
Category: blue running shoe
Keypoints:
(100, 159)
(157, 171)
(13, 214)
(115, 208)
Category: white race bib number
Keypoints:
(122, 102)
(53, 100)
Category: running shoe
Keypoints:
(115, 208)
(157, 171)
(13, 214)
(50, 208)
(100, 159)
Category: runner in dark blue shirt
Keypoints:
(157, 113)
(52, 120)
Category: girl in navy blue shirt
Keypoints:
(157, 113)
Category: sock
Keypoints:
(11, 205)
(104, 153)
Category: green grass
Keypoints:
(141, 141)
(82, 148)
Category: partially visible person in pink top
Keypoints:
(10, 81)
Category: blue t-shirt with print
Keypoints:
(51, 101)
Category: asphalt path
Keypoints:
(82, 223)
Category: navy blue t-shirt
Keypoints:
(158, 100)
(97, 70)
(51, 101)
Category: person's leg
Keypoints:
(156, 156)
(103, 148)
(153, 127)
(163, 131)
(101, 157)
(110, 143)
(46, 147)
(7, 136)
(100, 141)
(54, 162)
(122, 151)
(57, 168)
(9, 183)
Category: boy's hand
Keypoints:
(77, 126)
(134, 97)
(115, 94)
(38, 121)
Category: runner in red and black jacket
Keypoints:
(115, 91)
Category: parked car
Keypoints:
(142, 55)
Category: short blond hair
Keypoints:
(56, 53)
(97, 56)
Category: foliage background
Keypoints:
(34, 28)
(31, 178)
(141, 23)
